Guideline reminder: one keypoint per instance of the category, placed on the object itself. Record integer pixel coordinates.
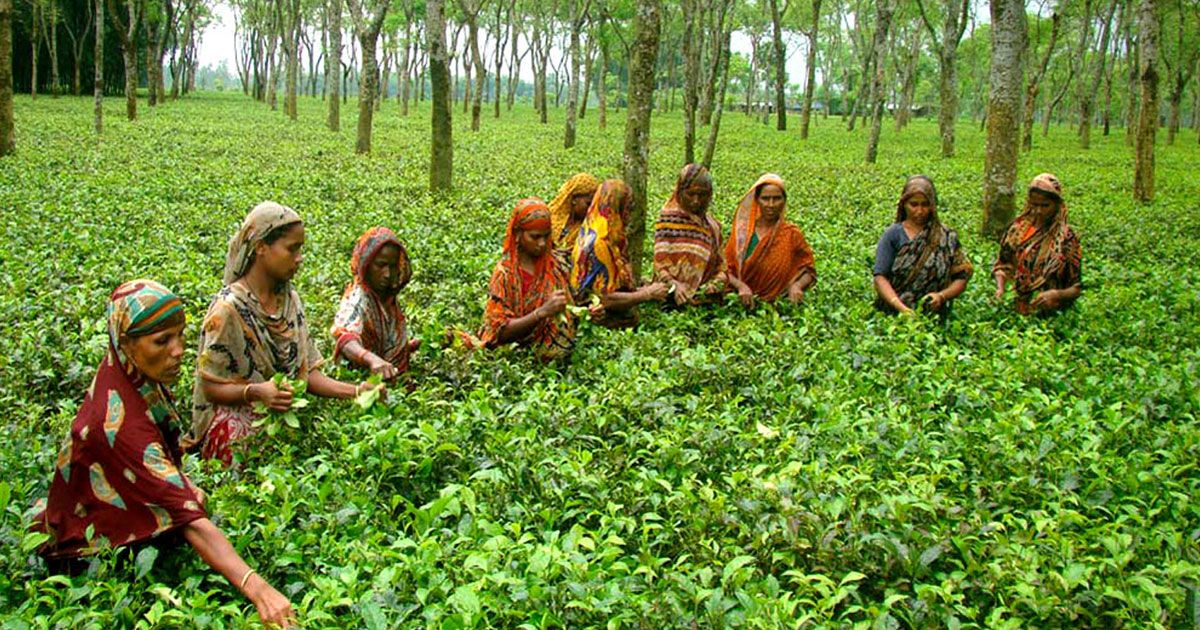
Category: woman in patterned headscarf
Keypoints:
(687, 240)
(255, 328)
(567, 210)
(370, 328)
(527, 294)
(118, 480)
(1040, 253)
(601, 263)
(918, 258)
(767, 255)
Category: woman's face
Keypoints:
(579, 205)
(917, 209)
(772, 202)
(383, 274)
(533, 243)
(1042, 208)
(281, 259)
(695, 198)
(158, 355)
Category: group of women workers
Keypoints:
(118, 480)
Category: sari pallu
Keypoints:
(778, 260)
(927, 263)
(377, 323)
(1040, 259)
(241, 343)
(563, 231)
(687, 247)
(513, 294)
(600, 261)
(119, 470)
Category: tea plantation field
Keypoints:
(814, 466)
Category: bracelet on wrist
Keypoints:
(246, 578)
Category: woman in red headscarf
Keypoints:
(767, 255)
(1040, 253)
(370, 328)
(528, 292)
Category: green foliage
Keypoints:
(820, 465)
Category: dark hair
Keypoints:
(278, 232)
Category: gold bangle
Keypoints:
(246, 392)
(356, 392)
(246, 578)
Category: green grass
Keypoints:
(814, 466)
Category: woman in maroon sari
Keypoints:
(118, 480)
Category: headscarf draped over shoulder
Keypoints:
(600, 262)
(511, 297)
(932, 259)
(687, 247)
(363, 315)
(262, 220)
(778, 259)
(117, 479)
(560, 208)
(1037, 258)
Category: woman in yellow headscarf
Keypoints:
(600, 262)
(567, 210)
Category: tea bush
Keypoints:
(814, 466)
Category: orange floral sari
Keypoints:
(776, 261)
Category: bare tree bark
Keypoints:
(810, 70)
(1147, 126)
(644, 52)
(954, 24)
(780, 65)
(1087, 98)
(333, 66)
(716, 38)
(98, 53)
(1009, 39)
(502, 36)
(578, 10)
(715, 129)
(883, 23)
(35, 46)
(126, 33)
(78, 45)
(471, 9)
(1179, 72)
(1035, 81)
(691, 76)
(291, 48)
(441, 161)
(50, 27)
(8, 144)
(367, 26)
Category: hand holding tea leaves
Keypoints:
(279, 399)
(555, 304)
(370, 391)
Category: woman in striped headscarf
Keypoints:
(118, 480)
(1040, 253)
(527, 294)
(687, 240)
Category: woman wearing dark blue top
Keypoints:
(918, 258)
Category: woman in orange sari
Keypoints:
(767, 255)
(1040, 253)
(527, 295)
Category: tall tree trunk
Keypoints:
(691, 76)
(578, 10)
(780, 66)
(333, 66)
(1035, 82)
(810, 67)
(1009, 39)
(883, 23)
(909, 84)
(602, 85)
(35, 46)
(1147, 125)
(954, 24)
(589, 63)
(51, 34)
(643, 54)
(98, 53)
(8, 144)
(1131, 111)
(441, 162)
(501, 45)
(719, 107)
(1053, 103)
(291, 38)
(367, 41)
(126, 33)
(1088, 96)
